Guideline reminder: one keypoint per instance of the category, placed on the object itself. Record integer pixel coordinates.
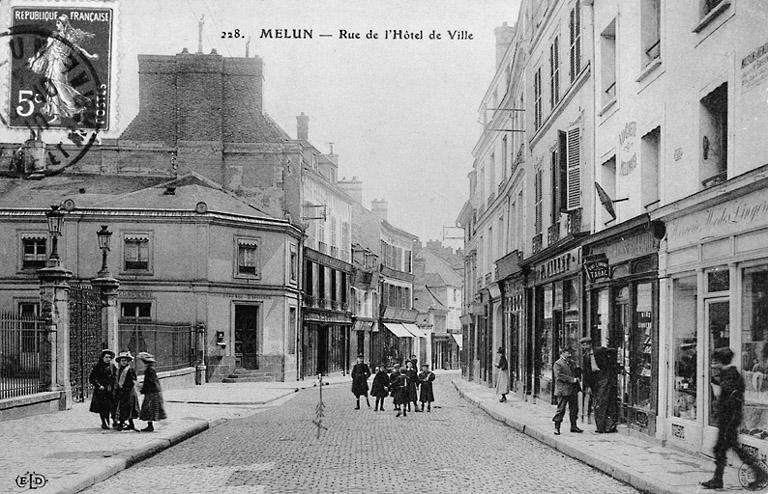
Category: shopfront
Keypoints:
(513, 296)
(621, 268)
(556, 317)
(715, 285)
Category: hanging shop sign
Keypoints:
(597, 268)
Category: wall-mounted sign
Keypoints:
(597, 269)
(564, 263)
(627, 148)
(754, 67)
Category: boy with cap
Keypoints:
(566, 390)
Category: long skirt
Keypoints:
(606, 407)
(426, 395)
(152, 408)
(102, 401)
(127, 404)
(502, 382)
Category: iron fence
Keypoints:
(173, 345)
(25, 356)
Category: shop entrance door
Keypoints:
(247, 336)
(322, 350)
(717, 321)
(621, 335)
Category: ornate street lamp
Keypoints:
(55, 219)
(104, 235)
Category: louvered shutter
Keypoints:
(573, 147)
(537, 189)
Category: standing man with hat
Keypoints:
(566, 390)
(360, 374)
(600, 384)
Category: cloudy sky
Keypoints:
(402, 113)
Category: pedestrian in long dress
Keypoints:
(125, 393)
(729, 411)
(152, 408)
(360, 374)
(426, 378)
(502, 381)
(413, 382)
(102, 378)
(380, 388)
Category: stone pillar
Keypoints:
(109, 316)
(54, 308)
(200, 367)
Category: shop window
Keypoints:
(754, 351)
(716, 320)
(714, 137)
(574, 29)
(684, 345)
(600, 327)
(545, 357)
(571, 333)
(718, 281)
(622, 320)
(650, 31)
(643, 343)
(33, 252)
(608, 64)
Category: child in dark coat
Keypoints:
(413, 381)
(379, 388)
(103, 379)
(152, 408)
(398, 387)
(125, 393)
(426, 377)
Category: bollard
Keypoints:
(200, 374)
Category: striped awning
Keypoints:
(415, 330)
(457, 337)
(397, 329)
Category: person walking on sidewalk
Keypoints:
(566, 390)
(360, 374)
(103, 379)
(413, 382)
(600, 383)
(426, 377)
(379, 388)
(729, 409)
(502, 381)
(125, 393)
(152, 408)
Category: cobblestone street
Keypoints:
(455, 448)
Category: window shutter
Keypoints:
(537, 189)
(573, 147)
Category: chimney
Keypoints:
(379, 208)
(302, 127)
(353, 187)
(504, 35)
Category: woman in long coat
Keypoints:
(413, 381)
(426, 377)
(125, 393)
(502, 382)
(102, 379)
(152, 408)
(380, 388)
(360, 374)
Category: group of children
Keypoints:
(399, 383)
(114, 392)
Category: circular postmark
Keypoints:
(747, 476)
(54, 85)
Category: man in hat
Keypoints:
(728, 410)
(360, 374)
(566, 390)
(600, 384)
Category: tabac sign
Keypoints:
(597, 268)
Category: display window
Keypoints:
(642, 347)
(754, 351)
(684, 340)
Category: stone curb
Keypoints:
(638, 481)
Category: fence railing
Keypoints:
(25, 356)
(173, 345)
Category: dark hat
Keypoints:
(586, 339)
(723, 355)
(500, 350)
(107, 351)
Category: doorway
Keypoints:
(322, 349)
(247, 336)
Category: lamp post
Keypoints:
(104, 235)
(55, 218)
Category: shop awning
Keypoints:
(415, 330)
(362, 325)
(457, 337)
(397, 329)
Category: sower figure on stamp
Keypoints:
(360, 374)
(426, 377)
(729, 409)
(379, 388)
(566, 390)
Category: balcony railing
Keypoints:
(553, 232)
(573, 224)
(536, 243)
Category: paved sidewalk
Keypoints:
(639, 463)
(72, 452)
